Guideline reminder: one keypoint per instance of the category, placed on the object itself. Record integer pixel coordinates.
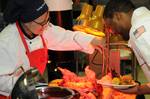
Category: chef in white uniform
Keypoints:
(134, 25)
(24, 42)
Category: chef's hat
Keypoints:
(24, 10)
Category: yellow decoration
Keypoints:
(79, 28)
(88, 30)
(86, 11)
(95, 32)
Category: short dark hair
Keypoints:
(117, 6)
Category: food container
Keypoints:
(46, 92)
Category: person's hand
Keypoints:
(98, 42)
(132, 90)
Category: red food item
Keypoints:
(67, 75)
(91, 95)
(88, 96)
(84, 85)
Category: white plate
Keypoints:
(117, 86)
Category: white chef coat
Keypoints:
(13, 53)
(59, 5)
(140, 38)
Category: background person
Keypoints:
(133, 24)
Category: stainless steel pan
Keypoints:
(46, 92)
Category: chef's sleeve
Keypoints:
(58, 38)
(143, 44)
(140, 59)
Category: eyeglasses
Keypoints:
(44, 23)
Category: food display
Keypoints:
(117, 81)
(55, 82)
(79, 85)
(88, 87)
(112, 82)
(85, 85)
(123, 80)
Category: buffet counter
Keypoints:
(89, 87)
